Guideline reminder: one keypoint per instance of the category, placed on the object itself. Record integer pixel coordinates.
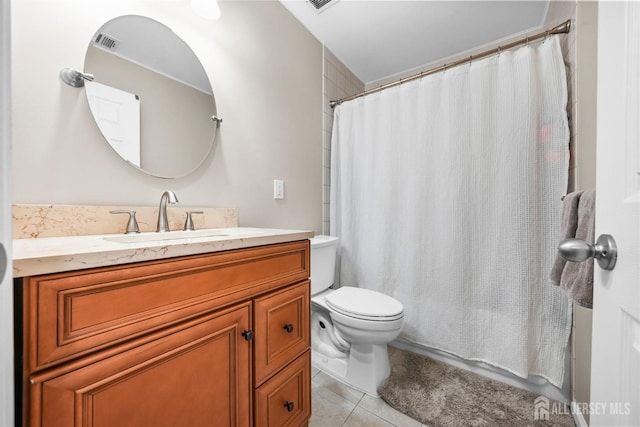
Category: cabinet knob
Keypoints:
(288, 327)
(289, 405)
(248, 335)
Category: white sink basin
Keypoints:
(182, 235)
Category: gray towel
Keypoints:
(577, 277)
(568, 230)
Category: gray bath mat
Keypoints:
(440, 395)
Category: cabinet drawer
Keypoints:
(196, 375)
(282, 329)
(71, 314)
(285, 400)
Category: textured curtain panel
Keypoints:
(446, 194)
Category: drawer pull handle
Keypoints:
(248, 335)
(288, 327)
(289, 405)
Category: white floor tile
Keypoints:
(328, 408)
(380, 408)
(362, 418)
(335, 404)
(325, 381)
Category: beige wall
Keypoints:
(580, 49)
(266, 73)
(586, 82)
(585, 173)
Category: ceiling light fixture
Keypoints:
(208, 9)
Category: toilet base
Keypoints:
(366, 368)
(333, 366)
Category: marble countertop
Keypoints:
(56, 254)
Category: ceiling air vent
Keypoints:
(106, 41)
(321, 5)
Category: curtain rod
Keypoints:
(563, 28)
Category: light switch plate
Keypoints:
(278, 189)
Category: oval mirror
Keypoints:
(150, 97)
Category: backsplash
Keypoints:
(32, 221)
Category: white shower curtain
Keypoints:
(446, 194)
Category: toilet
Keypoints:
(350, 326)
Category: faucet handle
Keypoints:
(132, 225)
(188, 224)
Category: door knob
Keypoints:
(604, 251)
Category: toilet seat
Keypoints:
(364, 304)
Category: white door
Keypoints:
(6, 288)
(117, 114)
(615, 369)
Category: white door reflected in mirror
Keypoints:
(117, 114)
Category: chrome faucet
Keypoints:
(163, 224)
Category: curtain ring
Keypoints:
(499, 51)
(527, 41)
(470, 60)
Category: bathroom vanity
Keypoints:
(212, 332)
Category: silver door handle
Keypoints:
(604, 251)
(3, 262)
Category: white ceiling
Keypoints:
(383, 38)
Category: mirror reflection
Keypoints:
(150, 97)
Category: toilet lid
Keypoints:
(364, 304)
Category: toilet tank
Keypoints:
(323, 262)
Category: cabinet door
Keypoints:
(282, 329)
(198, 374)
(285, 400)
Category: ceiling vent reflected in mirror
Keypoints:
(321, 5)
(107, 42)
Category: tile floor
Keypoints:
(335, 404)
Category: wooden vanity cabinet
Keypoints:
(220, 339)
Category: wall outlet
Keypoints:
(278, 189)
